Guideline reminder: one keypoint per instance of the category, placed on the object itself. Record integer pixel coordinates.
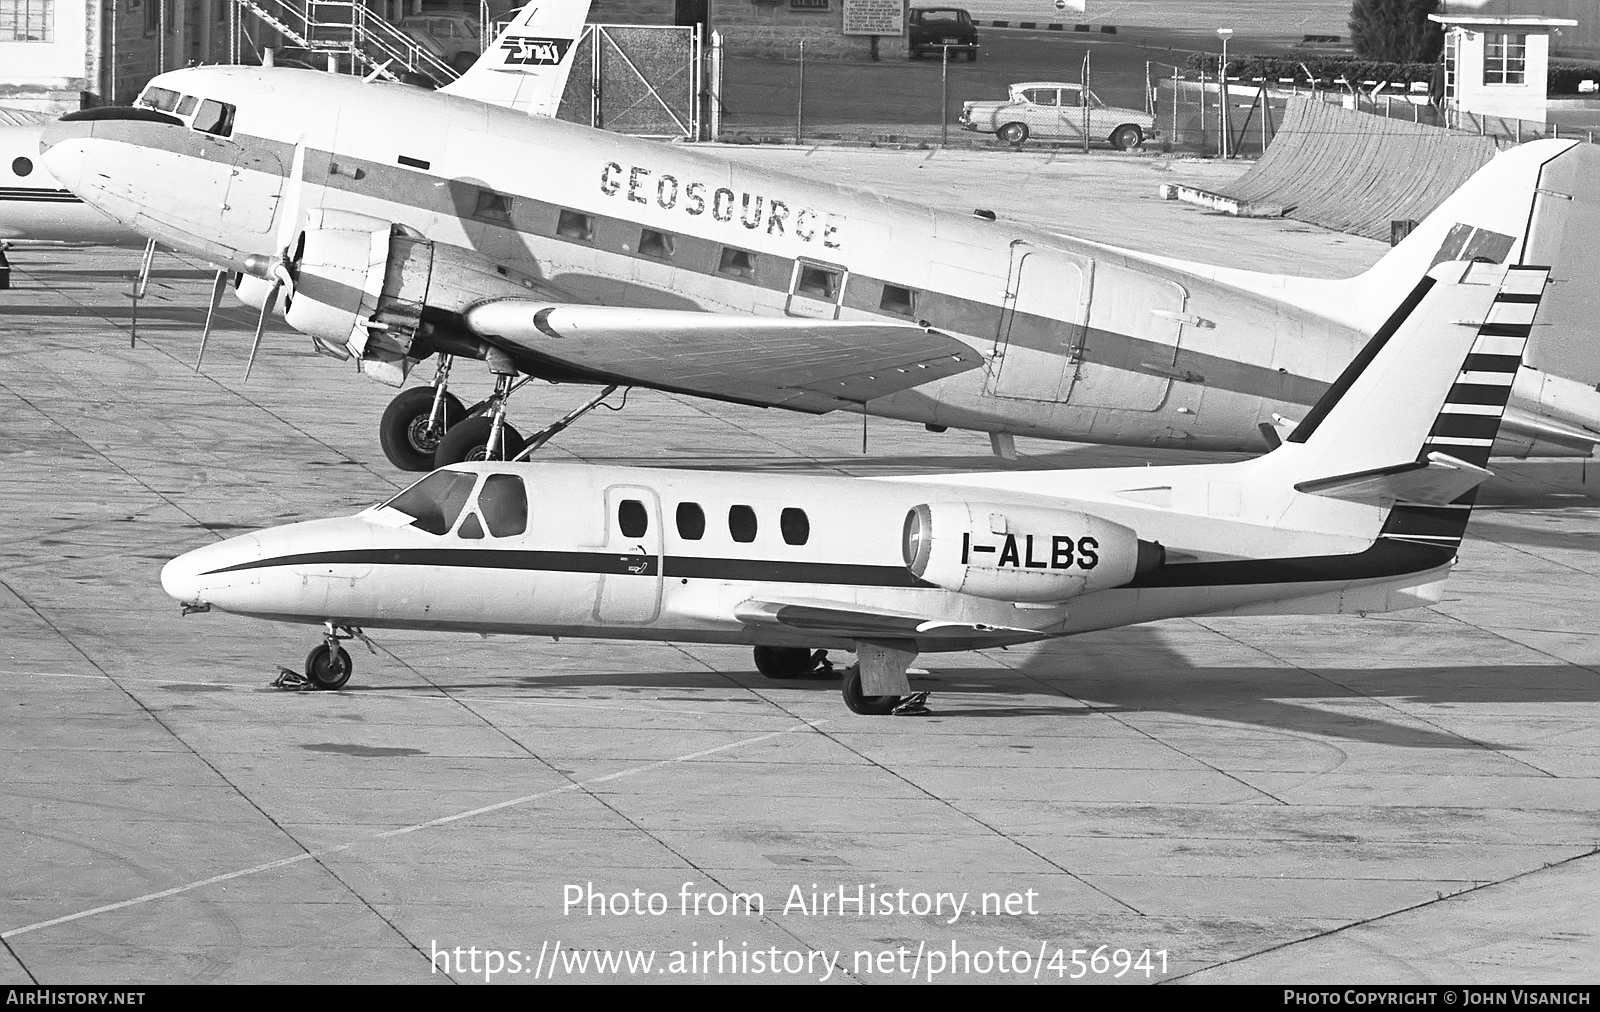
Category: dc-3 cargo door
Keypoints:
(1041, 324)
(1135, 323)
(630, 580)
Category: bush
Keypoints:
(1566, 74)
(1323, 68)
(1396, 30)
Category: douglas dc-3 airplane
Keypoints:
(1362, 508)
(402, 223)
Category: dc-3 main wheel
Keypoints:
(785, 662)
(328, 668)
(469, 440)
(404, 434)
(871, 706)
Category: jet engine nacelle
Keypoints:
(1022, 553)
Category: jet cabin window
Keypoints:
(436, 501)
(504, 505)
(742, 524)
(691, 521)
(795, 525)
(632, 518)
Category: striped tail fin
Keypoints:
(1470, 417)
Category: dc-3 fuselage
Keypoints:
(990, 325)
(1361, 509)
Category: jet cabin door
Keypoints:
(630, 568)
(1041, 324)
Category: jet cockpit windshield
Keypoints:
(436, 502)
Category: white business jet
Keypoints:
(1362, 508)
(401, 224)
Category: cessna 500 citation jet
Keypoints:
(400, 224)
(1362, 508)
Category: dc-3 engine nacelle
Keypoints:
(361, 285)
(1026, 554)
(252, 291)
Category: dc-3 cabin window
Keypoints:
(818, 282)
(214, 117)
(737, 263)
(795, 526)
(492, 207)
(691, 521)
(742, 524)
(632, 518)
(897, 300)
(435, 502)
(655, 244)
(576, 225)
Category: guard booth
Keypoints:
(1496, 66)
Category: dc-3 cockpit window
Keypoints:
(160, 99)
(436, 501)
(214, 117)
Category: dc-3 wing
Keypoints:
(799, 363)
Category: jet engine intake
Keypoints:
(1021, 553)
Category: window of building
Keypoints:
(575, 225)
(742, 524)
(737, 262)
(493, 207)
(152, 16)
(632, 518)
(691, 521)
(808, 5)
(1505, 58)
(795, 525)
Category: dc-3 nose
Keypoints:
(63, 148)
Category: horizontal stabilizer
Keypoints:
(855, 621)
(805, 364)
(1437, 480)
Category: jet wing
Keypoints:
(793, 362)
(819, 616)
(1437, 481)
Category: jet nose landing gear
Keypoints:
(328, 665)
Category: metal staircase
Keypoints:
(354, 37)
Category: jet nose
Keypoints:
(63, 147)
(192, 578)
(180, 578)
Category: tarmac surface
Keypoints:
(1410, 797)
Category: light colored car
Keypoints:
(455, 34)
(1054, 110)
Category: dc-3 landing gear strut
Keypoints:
(427, 427)
(876, 685)
(328, 665)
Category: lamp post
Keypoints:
(1222, 92)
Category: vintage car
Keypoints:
(935, 28)
(1054, 110)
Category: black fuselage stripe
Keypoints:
(1376, 562)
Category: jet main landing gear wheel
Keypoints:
(409, 432)
(871, 706)
(328, 666)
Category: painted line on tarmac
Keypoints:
(311, 855)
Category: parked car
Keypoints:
(1053, 110)
(456, 35)
(933, 28)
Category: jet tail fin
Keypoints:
(526, 66)
(1410, 422)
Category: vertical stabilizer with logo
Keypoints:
(526, 66)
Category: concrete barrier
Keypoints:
(1354, 171)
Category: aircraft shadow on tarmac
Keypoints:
(1132, 671)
